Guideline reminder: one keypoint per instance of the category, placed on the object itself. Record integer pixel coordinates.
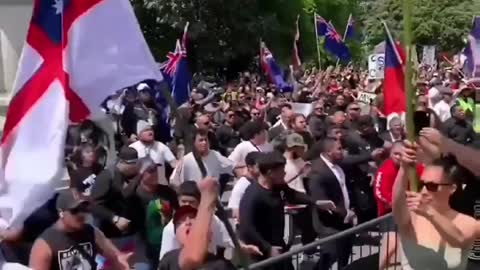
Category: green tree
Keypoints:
(225, 35)
(444, 23)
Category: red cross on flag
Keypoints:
(77, 53)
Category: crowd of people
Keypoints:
(146, 195)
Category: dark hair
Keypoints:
(76, 157)
(327, 144)
(199, 132)
(252, 158)
(252, 128)
(365, 121)
(286, 105)
(189, 188)
(196, 155)
(270, 161)
(294, 118)
(454, 172)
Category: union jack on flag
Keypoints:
(333, 41)
(170, 66)
(177, 74)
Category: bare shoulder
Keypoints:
(469, 226)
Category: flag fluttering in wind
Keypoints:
(177, 74)
(273, 70)
(472, 51)
(296, 61)
(350, 30)
(333, 41)
(74, 58)
(394, 82)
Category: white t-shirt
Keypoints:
(237, 193)
(292, 169)
(159, 153)
(442, 110)
(244, 148)
(214, 162)
(220, 237)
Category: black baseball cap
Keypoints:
(128, 155)
(69, 199)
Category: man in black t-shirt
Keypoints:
(71, 243)
(192, 226)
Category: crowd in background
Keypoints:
(151, 186)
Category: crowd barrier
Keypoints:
(374, 243)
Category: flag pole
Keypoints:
(392, 41)
(316, 41)
(410, 95)
(345, 34)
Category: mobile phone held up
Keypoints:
(421, 120)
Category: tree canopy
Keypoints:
(224, 35)
(444, 23)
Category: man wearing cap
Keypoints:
(192, 223)
(108, 193)
(296, 170)
(71, 243)
(146, 146)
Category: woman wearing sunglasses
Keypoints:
(432, 234)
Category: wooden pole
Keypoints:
(316, 41)
(409, 89)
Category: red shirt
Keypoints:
(383, 185)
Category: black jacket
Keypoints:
(323, 185)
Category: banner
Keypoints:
(376, 66)
(304, 108)
(366, 97)
(429, 56)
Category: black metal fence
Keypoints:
(375, 245)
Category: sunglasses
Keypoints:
(432, 187)
(355, 109)
(206, 123)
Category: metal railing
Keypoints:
(375, 242)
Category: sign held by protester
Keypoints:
(376, 66)
(428, 57)
(303, 108)
(365, 97)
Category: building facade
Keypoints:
(14, 19)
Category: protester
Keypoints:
(146, 146)
(202, 161)
(189, 195)
(255, 140)
(251, 161)
(451, 234)
(71, 243)
(262, 208)
(192, 229)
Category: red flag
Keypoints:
(394, 82)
